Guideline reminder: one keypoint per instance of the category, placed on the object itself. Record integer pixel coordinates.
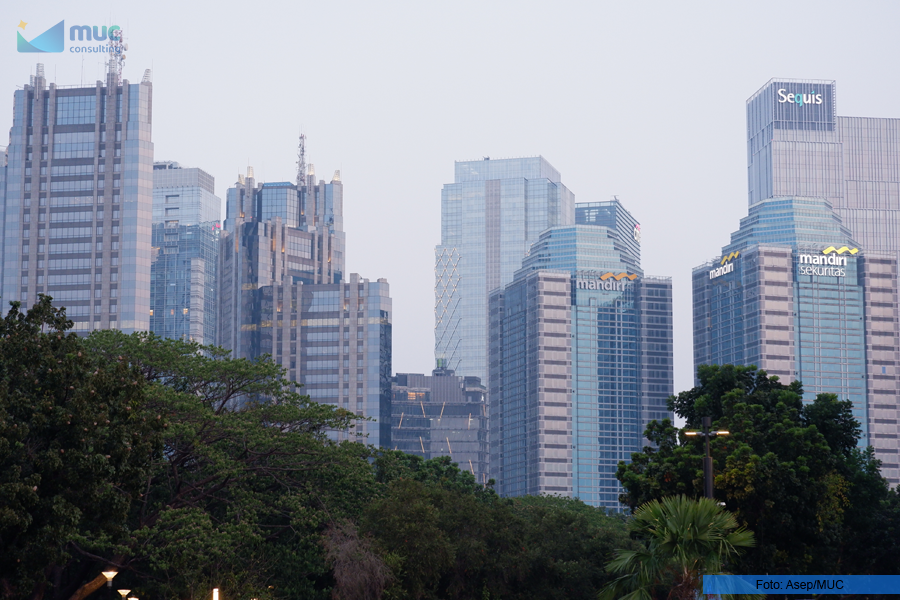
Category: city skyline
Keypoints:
(644, 125)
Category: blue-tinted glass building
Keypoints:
(490, 215)
(184, 196)
(796, 295)
(442, 414)
(76, 215)
(612, 215)
(184, 254)
(283, 292)
(580, 359)
(798, 146)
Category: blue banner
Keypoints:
(801, 584)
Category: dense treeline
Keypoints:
(156, 457)
(185, 469)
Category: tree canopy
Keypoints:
(685, 539)
(790, 471)
(185, 469)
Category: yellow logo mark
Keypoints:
(733, 255)
(618, 277)
(842, 249)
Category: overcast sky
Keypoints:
(644, 100)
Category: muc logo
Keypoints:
(80, 36)
(84, 32)
(51, 40)
(799, 99)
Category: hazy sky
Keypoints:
(642, 100)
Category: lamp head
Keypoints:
(109, 576)
(124, 593)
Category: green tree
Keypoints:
(446, 536)
(247, 482)
(568, 544)
(685, 540)
(789, 471)
(76, 441)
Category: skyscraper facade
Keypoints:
(581, 360)
(797, 296)
(283, 292)
(490, 215)
(184, 254)
(441, 414)
(78, 201)
(797, 146)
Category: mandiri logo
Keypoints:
(52, 40)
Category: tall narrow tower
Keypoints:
(79, 180)
(490, 215)
(284, 292)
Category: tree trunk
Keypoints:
(89, 588)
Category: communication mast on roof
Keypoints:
(301, 161)
(116, 48)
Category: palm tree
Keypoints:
(686, 539)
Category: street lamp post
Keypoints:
(109, 574)
(708, 475)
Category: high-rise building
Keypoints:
(184, 195)
(490, 215)
(283, 292)
(581, 360)
(797, 146)
(78, 200)
(185, 253)
(797, 296)
(441, 414)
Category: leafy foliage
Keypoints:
(253, 484)
(76, 437)
(788, 471)
(685, 540)
(447, 537)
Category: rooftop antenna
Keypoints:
(301, 161)
(116, 48)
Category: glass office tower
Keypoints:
(78, 201)
(441, 414)
(185, 253)
(581, 360)
(797, 296)
(283, 292)
(490, 215)
(798, 146)
(613, 215)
